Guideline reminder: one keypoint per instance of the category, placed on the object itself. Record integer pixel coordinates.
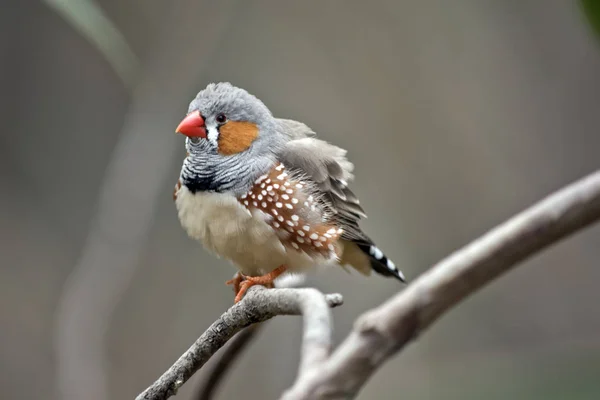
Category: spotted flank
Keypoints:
(379, 262)
(293, 213)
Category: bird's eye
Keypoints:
(221, 118)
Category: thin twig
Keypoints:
(230, 353)
(383, 331)
(257, 306)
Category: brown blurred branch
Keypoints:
(257, 306)
(125, 213)
(383, 331)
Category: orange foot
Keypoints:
(242, 283)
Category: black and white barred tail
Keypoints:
(379, 262)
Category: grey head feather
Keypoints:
(205, 169)
(236, 103)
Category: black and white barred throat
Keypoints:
(208, 172)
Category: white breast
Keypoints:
(229, 230)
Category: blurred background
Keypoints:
(456, 117)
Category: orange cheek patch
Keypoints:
(235, 137)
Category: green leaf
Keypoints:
(591, 8)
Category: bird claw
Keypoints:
(241, 283)
(236, 281)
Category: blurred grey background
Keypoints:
(456, 116)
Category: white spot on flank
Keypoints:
(260, 179)
(264, 205)
(306, 228)
(245, 202)
(330, 246)
(253, 196)
(285, 197)
(276, 224)
(280, 218)
(255, 204)
(375, 252)
(300, 240)
(289, 191)
(290, 223)
(279, 167)
(260, 196)
(274, 211)
(295, 217)
(323, 238)
(286, 183)
(289, 206)
(276, 186)
(290, 229)
(295, 245)
(244, 195)
(262, 185)
(328, 235)
(294, 200)
(278, 205)
(318, 244)
(268, 181)
(300, 233)
(314, 236)
(331, 231)
(299, 186)
(269, 198)
(264, 192)
(281, 176)
(269, 188)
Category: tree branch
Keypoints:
(257, 306)
(237, 345)
(229, 354)
(383, 331)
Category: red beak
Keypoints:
(192, 125)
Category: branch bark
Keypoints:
(257, 306)
(383, 331)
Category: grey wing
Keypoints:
(327, 167)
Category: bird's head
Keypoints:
(226, 120)
(231, 136)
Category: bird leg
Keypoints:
(241, 283)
